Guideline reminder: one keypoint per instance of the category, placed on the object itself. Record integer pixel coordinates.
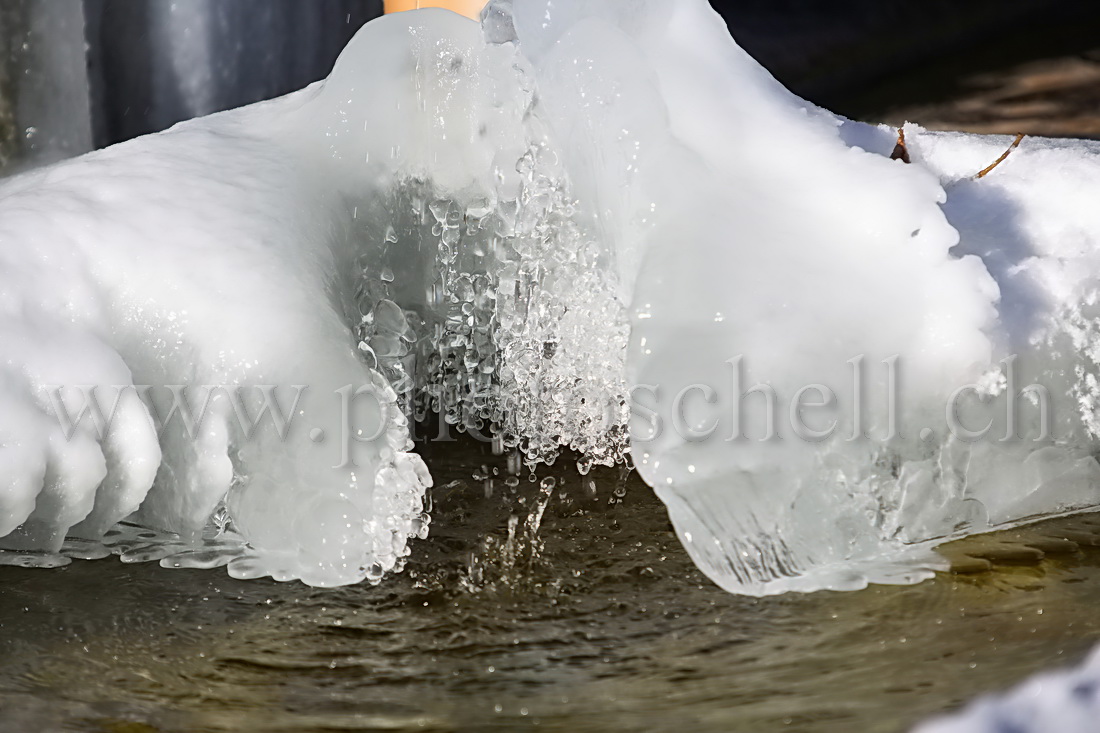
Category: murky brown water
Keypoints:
(608, 627)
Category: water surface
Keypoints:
(599, 622)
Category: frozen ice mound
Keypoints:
(762, 239)
(212, 254)
(531, 228)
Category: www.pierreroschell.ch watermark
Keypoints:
(734, 411)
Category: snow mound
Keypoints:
(1067, 701)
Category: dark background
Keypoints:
(265, 48)
(145, 65)
(838, 53)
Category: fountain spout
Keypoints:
(470, 8)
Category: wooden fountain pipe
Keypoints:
(469, 8)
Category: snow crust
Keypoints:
(518, 225)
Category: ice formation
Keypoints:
(1066, 701)
(528, 227)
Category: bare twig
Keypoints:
(901, 152)
(1015, 144)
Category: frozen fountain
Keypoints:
(599, 227)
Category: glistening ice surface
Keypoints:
(515, 225)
